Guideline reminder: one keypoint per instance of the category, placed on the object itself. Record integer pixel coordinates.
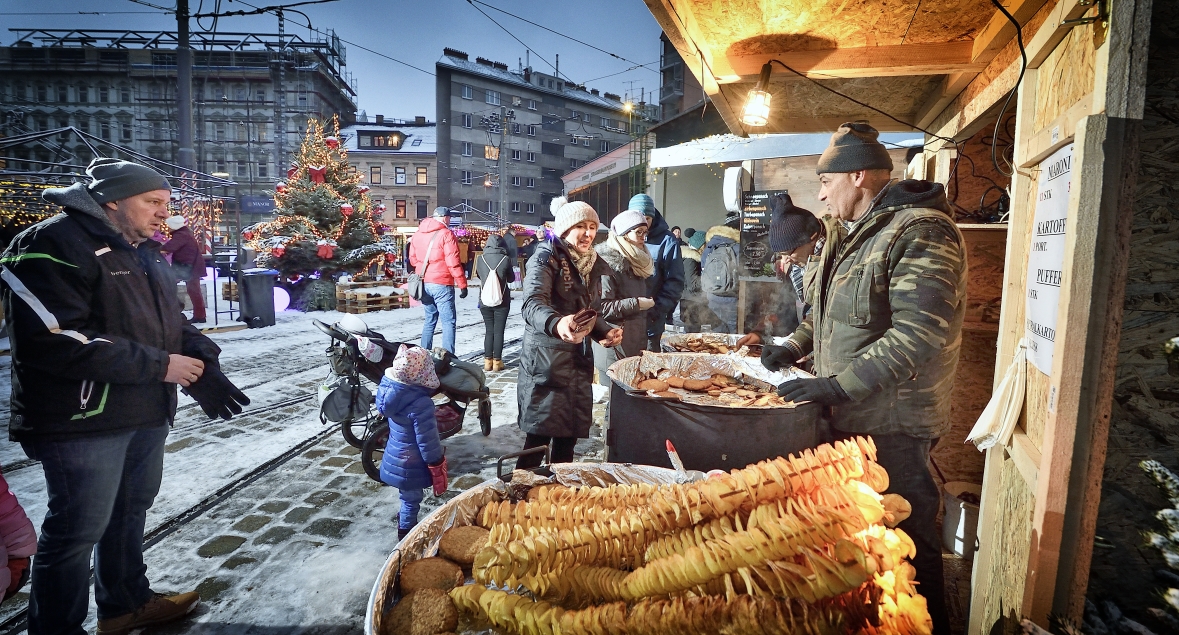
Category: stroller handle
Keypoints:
(499, 466)
(331, 331)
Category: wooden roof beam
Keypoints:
(868, 61)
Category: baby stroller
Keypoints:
(346, 400)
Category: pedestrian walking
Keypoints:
(554, 390)
(720, 266)
(188, 265)
(494, 268)
(886, 330)
(18, 541)
(414, 458)
(624, 289)
(434, 254)
(98, 347)
(667, 284)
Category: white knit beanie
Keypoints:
(626, 221)
(566, 214)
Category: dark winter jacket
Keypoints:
(621, 290)
(554, 389)
(413, 434)
(667, 284)
(495, 255)
(512, 247)
(725, 307)
(92, 321)
(445, 266)
(187, 261)
(889, 298)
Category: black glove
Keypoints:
(779, 357)
(824, 390)
(217, 396)
(463, 292)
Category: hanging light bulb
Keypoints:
(757, 101)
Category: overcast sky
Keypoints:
(412, 32)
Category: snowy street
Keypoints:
(270, 515)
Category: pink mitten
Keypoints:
(438, 476)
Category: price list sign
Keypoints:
(1046, 257)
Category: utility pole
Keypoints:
(503, 135)
(186, 157)
(280, 101)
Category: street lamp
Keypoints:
(757, 101)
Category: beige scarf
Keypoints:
(637, 257)
(583, 262)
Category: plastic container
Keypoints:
(960, 526)
(257, 297)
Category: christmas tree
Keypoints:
(324, 225)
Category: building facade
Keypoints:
(399, 163)
(543, 124)
(679, 89)
(251, 98)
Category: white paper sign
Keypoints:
(1046, 258)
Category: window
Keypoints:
(532, 157)
(263, 170)
(422, 205)
(124, 131)
(515, 155)
(157, 132)
(260, 95)
(399, 175)
(466, 177)
(84, 124)
(573, 139)
(104, 94)
(374, 175)
(243, 168)
(532, 131)
(104, 130)
(586, 118)
(221, 165)
(622, 126)
(530, 208)
(492, 97)
(467, 92)
(516, 181)
(466, 148)
(491, 153)
(515, 128)
(531, 106)
(302, 100)
(239, 93)
(515, 208)
(466, 120)
(399, 207)
(43, 94)
(83, 94)
(605, 147)
(416, 142)
(531, 183)
(466, 201)
(573, 114)
(560, 86)
(572, 163)
(586, 142)
(124, 95)
(63, 94)
(422, 175)
(219, 131)
(603, 122)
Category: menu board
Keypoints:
(755, 231)
(1046, 257)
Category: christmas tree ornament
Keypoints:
(346, 209)
(332, 142)
(248, 235)
(363, 189)
(318, 173)
(292, 171)
(280, 187)
(325, 250)
(278, 251)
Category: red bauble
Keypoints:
(332, 142)
(381, 208)
(325, 251)
(318, 173)
(280, 187)
(277, 252)
(248, 235)
(363, 188)
(292, 172)
(346, 209)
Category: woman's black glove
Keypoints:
(824, 390)
(779, 357)
(463, 292)
(217, 396)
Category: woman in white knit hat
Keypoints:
(554, 389)
(625, 298)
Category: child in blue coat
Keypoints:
(414, 457)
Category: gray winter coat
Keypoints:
(621, 290)
(554, 389)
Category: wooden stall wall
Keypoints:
(1145, 420)
(797, 175)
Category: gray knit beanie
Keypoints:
(854, 147)
(115, 180)
(441, 212)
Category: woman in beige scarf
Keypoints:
(625, 298)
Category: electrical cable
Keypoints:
(513, 36)
(1022, 69)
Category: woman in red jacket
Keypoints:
(434, 255)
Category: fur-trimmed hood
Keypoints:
(724, 231)
(612, 257)
(690, 254)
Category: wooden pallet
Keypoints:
(229, 291)
(361, 302)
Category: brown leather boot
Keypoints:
(497, 364)
(158, 610)
(487, 363)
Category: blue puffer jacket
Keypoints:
(667, 284)
(413, 434)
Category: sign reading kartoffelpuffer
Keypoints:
(1046, 257)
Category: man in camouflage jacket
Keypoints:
(888, 294)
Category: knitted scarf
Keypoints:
(637, 257)
(583, 262)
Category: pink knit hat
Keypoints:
(413, 367)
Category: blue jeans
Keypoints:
(438, 299)
(411, 502)
(100, 489)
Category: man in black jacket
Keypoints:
(98, 347)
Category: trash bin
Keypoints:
(256, 291)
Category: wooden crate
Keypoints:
(229, 291)
(360, 302)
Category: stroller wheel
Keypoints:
(485, 416)
(356, 431)
(372, 452)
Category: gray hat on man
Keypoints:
(441, 212)
(854, 147)
(115, 180)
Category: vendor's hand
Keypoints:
(824, 390)
(463, 292)
(779, 357)
(613, 338)
(646, 303)
(183, 370)
(567, 334)
(749, 339)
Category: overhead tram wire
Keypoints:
(513, 36)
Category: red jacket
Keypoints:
(444, 266)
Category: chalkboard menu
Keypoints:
(755, 231)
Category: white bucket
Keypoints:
(960, 526)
